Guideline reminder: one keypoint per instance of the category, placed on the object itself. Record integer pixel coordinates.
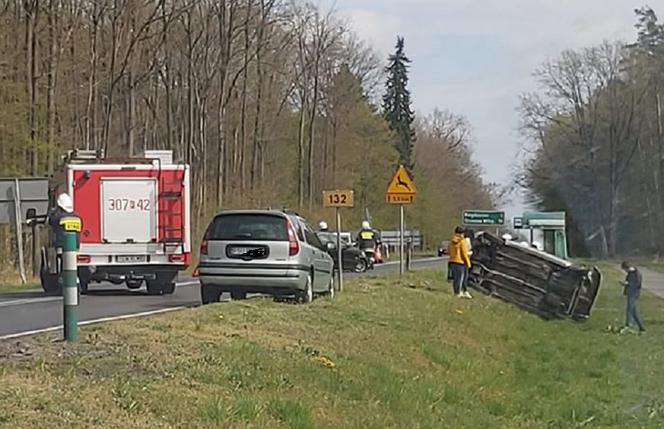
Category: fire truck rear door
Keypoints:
(129, 210)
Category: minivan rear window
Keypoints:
(254, 227)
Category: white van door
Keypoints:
(129, 210)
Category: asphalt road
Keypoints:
(32, 312)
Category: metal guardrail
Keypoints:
(391, 238)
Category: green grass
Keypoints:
(384, 354)
(10, 281)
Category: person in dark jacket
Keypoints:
(632, 290)
(63, 210)
(367, 237)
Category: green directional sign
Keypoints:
(483, 217)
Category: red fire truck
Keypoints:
(136, 220)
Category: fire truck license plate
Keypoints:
(131, 258)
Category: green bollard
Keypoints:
(70, 287)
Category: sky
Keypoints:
(475, 57)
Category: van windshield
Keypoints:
(255, 227)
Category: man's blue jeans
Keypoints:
(632, 313)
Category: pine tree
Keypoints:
(396, 104)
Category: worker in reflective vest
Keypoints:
(367, 238)
(64, 219)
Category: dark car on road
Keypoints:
(354, 259)
(442, 249)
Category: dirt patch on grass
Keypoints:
(16, 350)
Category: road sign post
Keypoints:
(70, 287)
(401, 234)
(19, 229)
(340, 259)
(401, 190)
(339, 199)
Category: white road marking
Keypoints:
(29, 301)
(93, 321)
(59, 298)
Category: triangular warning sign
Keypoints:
(401, 183)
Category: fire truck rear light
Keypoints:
(83, 259)
(176, 258)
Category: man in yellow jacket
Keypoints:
(459, 263)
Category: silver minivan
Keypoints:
(263, 251)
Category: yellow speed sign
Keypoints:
(339, 198)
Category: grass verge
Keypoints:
(10, 281)
(384, 354)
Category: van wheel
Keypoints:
(307, 295)
(238, 295)
(209, 294)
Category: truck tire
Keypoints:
(209, 294)
(134, 284)
(84, 279)
(167, 281)
(83, 286)
(164, 284)
(168, 288)
(154, 287)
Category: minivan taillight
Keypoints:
(293, 244)
(204, 247)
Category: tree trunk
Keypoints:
(31, 11)
(310, 147)
(52, 79)
(243, 109)
(257, 136)
(131, 112)
(91, 106)
(334, 152)
(659, 180)
(112, 82)
(301, 154)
